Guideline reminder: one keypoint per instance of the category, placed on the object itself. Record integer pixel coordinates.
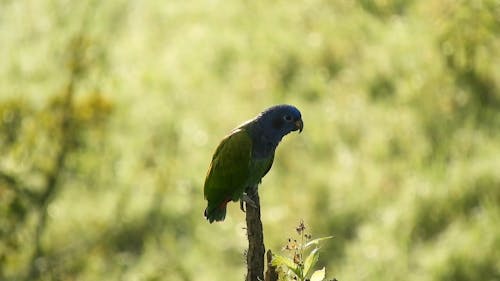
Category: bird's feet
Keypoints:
(248, 201)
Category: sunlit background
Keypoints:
(110, 112)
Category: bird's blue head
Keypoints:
(280, 120)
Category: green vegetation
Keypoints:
(110, 112)
(303, 254)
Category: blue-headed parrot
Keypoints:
(245, 156)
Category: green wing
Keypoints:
(229, 170)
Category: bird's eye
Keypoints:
(287, 118)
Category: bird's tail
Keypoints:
(215, 213)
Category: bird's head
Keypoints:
(279, 120)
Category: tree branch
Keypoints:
(256, 249)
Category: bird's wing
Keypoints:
(229, 169)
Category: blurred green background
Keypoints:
(110, 112)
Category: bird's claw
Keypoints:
(248, 201)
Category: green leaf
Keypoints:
(318, 275)
(316, 241)
(279, 260)
(311, 260)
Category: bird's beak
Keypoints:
(299, 125)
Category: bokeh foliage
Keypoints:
(110, 111)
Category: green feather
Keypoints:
(227, 173)
(231, 172)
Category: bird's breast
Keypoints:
(259, 168)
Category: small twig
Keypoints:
(256, 249)
(14, 184)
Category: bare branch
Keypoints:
(256, 249)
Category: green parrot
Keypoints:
(245, 156)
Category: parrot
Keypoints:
(245, 156)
